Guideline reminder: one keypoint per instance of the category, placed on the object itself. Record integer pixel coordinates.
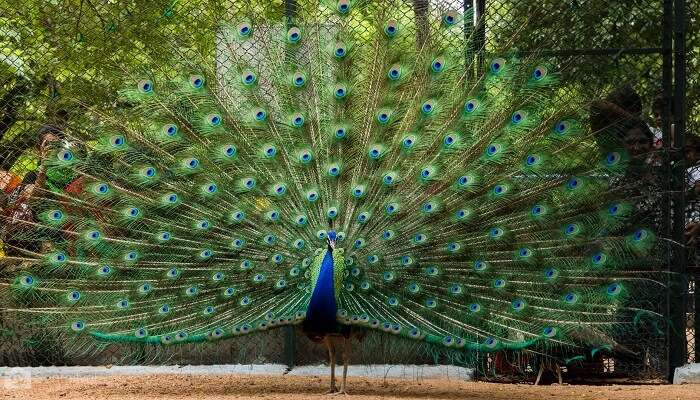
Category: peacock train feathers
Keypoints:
(468, 205)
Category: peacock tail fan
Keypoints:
(474, 211)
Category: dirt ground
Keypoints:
(303, 387)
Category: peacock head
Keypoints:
(332, 236)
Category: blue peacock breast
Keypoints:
(327, 270)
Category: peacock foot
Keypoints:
(333, 390)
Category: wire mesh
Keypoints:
(693, 177)
(56, 57)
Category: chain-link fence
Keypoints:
(57, 57)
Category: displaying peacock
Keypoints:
(309, 175)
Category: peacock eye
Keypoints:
(394, 72)
(244, 29)
(298, 79)
(612, 158)
(493, 149)
(517, 117)
(197, 81)
(539, 73)
(117, 141)
(640, 234)
(260, 114)
(470, 106)
(77, 326)
(549, 331)
(170, 129)
(343, 6)
(561, 127)
(340, 50)
(438, 64)
(56, 215)
(531, 160)
(145, 86)
(214, 119)
(408, 141)
(449, 19)
(497, 65)
(297, 120)
(294, 35)
(191, 163)
(383, 117)
(248, 77)
(64, 155)
(332, 212)
(614, 289)
(340, 91)
(573, 183)
(305, 156)
(391, 28)
(427, 107)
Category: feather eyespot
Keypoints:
(450, 18)
(297, 120)
(561, 127)
(77, 326)
(248, 77)
(539, 73)
(294, 35)
(65, 155)
(395, 72)
(470, 106)
(517, 117)
(197, 81)
(259, 114)
(298, 79)
(117, 141)
(391, 28)
(438, 64)
(145, 86)
(340, 50)
(497, 65)
(214, 119)
(170, 130)
(343, 6)
(244, 29)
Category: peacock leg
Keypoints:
(331, 356)
(346, 360)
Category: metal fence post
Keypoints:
(679, 288)
(289, 346)
(667, 77)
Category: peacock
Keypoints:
(346, 183)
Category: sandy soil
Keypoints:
(303, 387)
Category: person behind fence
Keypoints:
(616, 122)
(34, 177)
(692, 176)
(658, 105)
